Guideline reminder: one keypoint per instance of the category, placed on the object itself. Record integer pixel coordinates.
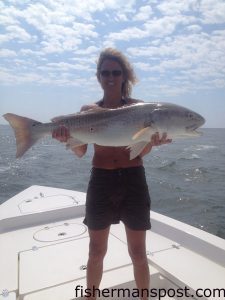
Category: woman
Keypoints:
(117, 189)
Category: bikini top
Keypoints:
(124, 101)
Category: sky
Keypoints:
(49, 49)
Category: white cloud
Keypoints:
(156, 27)
(8, 77)
(166, 25)
(210, 11)
(85, 9)
(16, 32)
(9, 14)
(194, 28)
(176, 7)
(160, 27)
(4, 38)
(7, 53)
(54, 24)
(144, 13)
(142, 66)
(213, 11)
(121, 17)
(20, 33)
(61, 38)
(29, 52)
(85, 29)
(65, 66)
(195, 57)
(58, 38)
(219, 83)
(88, 50)
(36, 15)
(127, 34)
(5, 19)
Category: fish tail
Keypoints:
(22, 129)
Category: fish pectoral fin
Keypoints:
(73, 143)
(144, 133)
(136, 149)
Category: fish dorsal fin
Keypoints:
(89, 111)
(65, 117)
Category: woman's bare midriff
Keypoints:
(114, 158)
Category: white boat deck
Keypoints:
(44, 248)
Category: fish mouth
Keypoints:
(196, 125)
(192, 129)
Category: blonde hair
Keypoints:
(130, 78)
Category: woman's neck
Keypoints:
(112, 101)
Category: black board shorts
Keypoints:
(118, 195)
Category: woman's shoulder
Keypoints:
(89, 106)
(133, 101)
(98, 104)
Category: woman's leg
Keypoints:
(136, 240)
(97, 250)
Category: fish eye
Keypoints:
(190, 115)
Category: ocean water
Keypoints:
(186, 178)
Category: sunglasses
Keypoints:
(114, 73)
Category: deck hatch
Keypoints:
(60, 232)
(60, 263)
(44, 203)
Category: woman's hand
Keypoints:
(61, 133)
(157, 141)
